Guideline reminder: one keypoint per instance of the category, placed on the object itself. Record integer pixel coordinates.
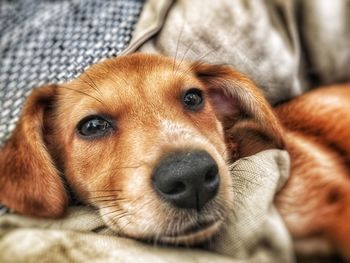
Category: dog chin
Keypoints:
(193, 236)
(188, 235)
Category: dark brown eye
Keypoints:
(193, 99)
(94, 127)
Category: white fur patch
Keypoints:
(170, 127)
(176, 132)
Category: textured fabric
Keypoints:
(285, 46)
(254, 232)
(47, 41)
(150, 22)
(3, 210)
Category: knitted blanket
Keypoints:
(50, 41)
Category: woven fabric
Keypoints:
(3, 210)
(44, 41)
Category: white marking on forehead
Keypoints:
(175, 131)
(173, 127)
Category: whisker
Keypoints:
(100, 198)
(107, 190)
(107, 206)
(121, 216)
(122, 228)
(118, 209)
(84, 93)
(256, 172)
(205, 55)
(184, 56)
(119, 168)
(94, 86)
(250, 160)
(210, 51)
(116, 78)
(177, 44)
(155, 240)
(100, 203)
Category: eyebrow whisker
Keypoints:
(84, 93)
(184, 56)
(92, 84)
(177, 45)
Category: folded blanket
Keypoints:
(253, 233)
(285, 46)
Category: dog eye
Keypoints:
(193, 99)
(93, 127)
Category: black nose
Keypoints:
(187, 179)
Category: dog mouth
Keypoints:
(193, 234)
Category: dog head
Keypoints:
(144, 139)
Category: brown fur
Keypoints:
(141, 93)
(316, 199)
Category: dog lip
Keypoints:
(193, 234)
(193, 229)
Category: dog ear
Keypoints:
(29, 181)
(249, 123)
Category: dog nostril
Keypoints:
(177, 188)
(212, 175)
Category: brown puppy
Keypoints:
(146, 140)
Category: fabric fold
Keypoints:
(254, 231)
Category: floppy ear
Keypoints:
(29, 181)
(249, 123)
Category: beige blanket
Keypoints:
(254, 232)
(285, 46)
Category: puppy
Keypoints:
(146, 140)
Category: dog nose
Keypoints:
(187, 179)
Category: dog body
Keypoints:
(146, 140)
(315, 201)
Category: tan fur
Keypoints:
(142, 94)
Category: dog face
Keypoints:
(144, 139)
